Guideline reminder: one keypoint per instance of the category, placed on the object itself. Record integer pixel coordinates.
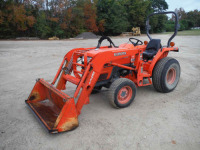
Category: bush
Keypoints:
(169, 27)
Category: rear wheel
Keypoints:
(122, 92)
(166, 75)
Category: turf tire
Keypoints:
(115, 88)
(161, 72)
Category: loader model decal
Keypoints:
(119, 54)
(91, 77)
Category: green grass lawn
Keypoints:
(187, 32)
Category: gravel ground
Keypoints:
(86, 35)
(153, 121)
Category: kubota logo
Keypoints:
(119, 54)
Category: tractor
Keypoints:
(121, 69)
(136, 31)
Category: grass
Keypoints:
(186, 32)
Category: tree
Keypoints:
(187, 20)
(159, 5)
(158, 22)
(14, 19)
(181, 14)
(67, 18)
(194, 16)
(41, 27)
(137, 11)
(113, 16)
(90, 17)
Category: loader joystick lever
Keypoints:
(104, 38)
(137, 43)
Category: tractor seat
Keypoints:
(151, 49)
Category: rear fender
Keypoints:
(161, 54)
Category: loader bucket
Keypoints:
(55, 109)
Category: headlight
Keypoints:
(88, 59)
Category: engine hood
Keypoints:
(121, 48)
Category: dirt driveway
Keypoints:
(154, 120)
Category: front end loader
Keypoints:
(119, 68)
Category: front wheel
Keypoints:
(122, 92)
(166, 74)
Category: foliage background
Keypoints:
(68, 18)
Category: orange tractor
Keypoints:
(120, 68)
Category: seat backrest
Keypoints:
(154, 44)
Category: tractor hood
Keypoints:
(121, 48)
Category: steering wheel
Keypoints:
(138, 42)
(104, 38)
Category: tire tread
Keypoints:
(113, 87)
(158, 73)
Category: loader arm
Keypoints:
(92, 72)
(55, 109)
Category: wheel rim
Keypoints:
(171, 76)
(124, 95)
